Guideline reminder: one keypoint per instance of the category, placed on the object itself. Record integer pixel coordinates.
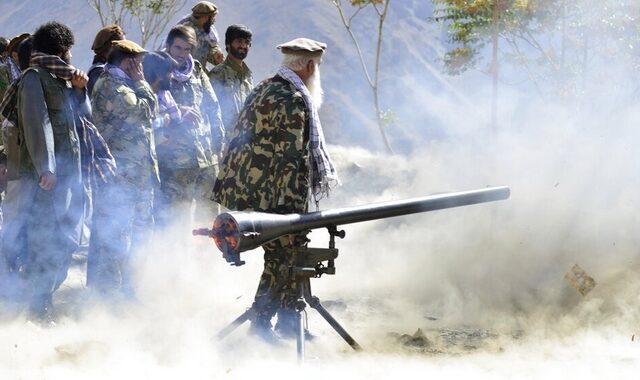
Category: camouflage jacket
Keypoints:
(232, 84)
(5, 81)
(266, 166)
(5, 78)
(122, 112)
(192, 145)
(206, 49)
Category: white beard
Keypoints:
(314, 85)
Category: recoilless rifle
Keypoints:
(238, 231)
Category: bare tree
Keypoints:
(149, 17)
(381, 8)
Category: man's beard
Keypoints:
(207, 26)
(66, 57)
(314, 85)
(237, 53)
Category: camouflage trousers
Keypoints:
(179, 188)
(122, 224)
(277, 292)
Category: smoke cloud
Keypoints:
(484, 283)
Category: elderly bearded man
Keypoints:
(275, 158)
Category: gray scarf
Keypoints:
(324, 176)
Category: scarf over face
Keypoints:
(97, 160)
(184, 74)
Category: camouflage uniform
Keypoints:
(232, 84)
(5, 78)
(123, 213)
(188, 158)
(5, 81)
(206, 49)
(266, 169)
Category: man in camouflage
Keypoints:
(207, 50)
(232, 80)
(188, 157)
(13, 246)
(275, 158)
(10, 68)
(123, 107)
(51, 101)
(4, 79)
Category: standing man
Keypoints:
(4, 78)
(275, 161)
(232, 80)
(13, 245)
(123, 108)
(10, 70)
(158, 69)
(188, 160)
(51, 101)
(102, 47)
(207, 50)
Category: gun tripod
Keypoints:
(307, 263)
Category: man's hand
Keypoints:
(48, 181)
(218, 57)
(79, 79)
(191, 114)
(134, 69)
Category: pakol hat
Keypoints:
(236, 31)
(127, 46)
(301, 46)
(15, 41)
(106, 35)
(204, 8)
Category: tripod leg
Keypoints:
(236, 323)
(300, 306)
(314, 302)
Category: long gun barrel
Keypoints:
(239, 231)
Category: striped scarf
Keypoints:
(97, 161)
(10, 101)
(168, 105)
(98, 165)
(52, 63)
(324, 176)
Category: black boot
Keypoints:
(41, 310)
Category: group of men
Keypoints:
(129, 146)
